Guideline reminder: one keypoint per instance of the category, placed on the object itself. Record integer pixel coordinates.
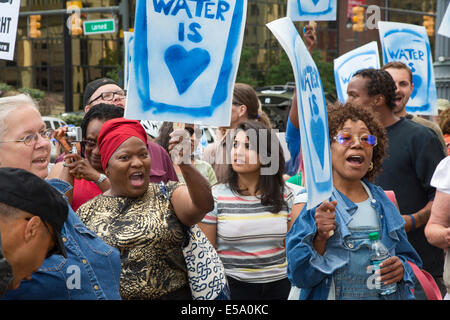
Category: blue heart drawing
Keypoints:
(317, 130)
(315, 2)
(186, 66)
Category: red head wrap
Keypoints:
(116, 131)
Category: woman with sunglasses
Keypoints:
(328, 247)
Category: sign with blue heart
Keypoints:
(409, 44)
(185, 60)
(351, 62)
(312, 112)
(305, 10)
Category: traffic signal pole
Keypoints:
(122, 9)
(68, 69)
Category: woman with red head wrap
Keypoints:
(135, 217)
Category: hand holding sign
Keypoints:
(325, 220)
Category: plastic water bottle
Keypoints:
(378, 255)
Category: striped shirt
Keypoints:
(250, 239)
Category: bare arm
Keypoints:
(437, 229)
(420, 217)
(296, 209)
(193, 201)
(210, 231)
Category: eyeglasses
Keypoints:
(89, 144)
(109, 96)
(29, 139)
(347, 139)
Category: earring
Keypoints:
(371, 166)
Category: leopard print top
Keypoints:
(149, 237)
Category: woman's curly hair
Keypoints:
(338, 114)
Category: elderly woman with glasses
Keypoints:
(92, 268)
(328, 247)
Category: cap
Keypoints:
(374, 236)
(25, 191)
(92, 86)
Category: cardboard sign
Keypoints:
(312, 112)
(444, 29)
(9, 18)
(304, 10)
(349, 63)
(185, 60)
(128, 41)
(409, 44)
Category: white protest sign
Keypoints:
(128, 40)
(444, 29)
(409, 44)
(9, 18)
(185, 60)
(305, 10)
(349, 63)
(312, 112)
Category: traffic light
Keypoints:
(75, 23)
(33, 26)
(358, 18)
(428, 23)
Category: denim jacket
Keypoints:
(91, 271)
(312, 272)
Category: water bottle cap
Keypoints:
(374, 236)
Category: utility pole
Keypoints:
(68, 68)
(122, 9)
(442, 55)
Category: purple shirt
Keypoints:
(161, 168)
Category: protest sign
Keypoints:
(185, 60)
(305, 10)
(128, 40)
(349, 63)
(444, 28)
(409, 44)
(312, 112)
(9, 18)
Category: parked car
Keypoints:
(276, 102)
(53, 123)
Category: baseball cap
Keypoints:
(25, 191)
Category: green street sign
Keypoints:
(99, 26)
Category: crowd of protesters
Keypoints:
(96, 224)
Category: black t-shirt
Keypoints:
(414, 152)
